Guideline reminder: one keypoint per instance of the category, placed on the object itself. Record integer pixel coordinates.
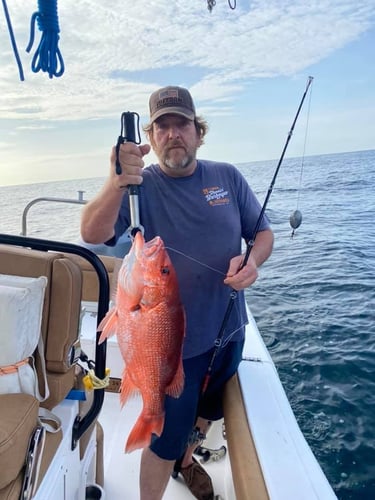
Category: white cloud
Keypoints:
(245, 69)
(138, 39)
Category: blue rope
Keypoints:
(13, 41)
(47, 56)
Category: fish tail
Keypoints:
(108, 324)
(176, 387)
(145, 426)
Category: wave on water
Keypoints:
(314, 301)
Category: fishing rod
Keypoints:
(250, 243)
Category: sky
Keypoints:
(246, 69)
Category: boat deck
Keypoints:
(121, 470)
(277, 445)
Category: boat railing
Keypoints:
(78, 201)
(82, 423)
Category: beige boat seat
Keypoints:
(90, 282)
(61, 311)
(18, 418)
(69, 281)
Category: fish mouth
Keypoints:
(153, 247)
(152, 250)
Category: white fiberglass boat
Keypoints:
(75, 451)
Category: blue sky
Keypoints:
(246, 69)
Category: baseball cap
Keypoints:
(176, 100)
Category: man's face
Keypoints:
(175, 141)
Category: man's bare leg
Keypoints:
(154, 476)
(203, 426)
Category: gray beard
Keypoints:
(180, 165)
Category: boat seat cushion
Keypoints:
(19, 417)
(13, 490)
(90, 285)
(64, 314)
(21, 304)
(61, 311)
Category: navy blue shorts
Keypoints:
(181, 413)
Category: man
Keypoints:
(202, 210)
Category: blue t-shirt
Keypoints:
(202, 219)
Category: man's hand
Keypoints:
(131, 161)
(238, 278)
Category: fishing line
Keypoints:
(196, 261)
(230, 335)
(295, 218)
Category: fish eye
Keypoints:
(165, 270)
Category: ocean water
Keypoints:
(314, 301)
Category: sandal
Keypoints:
(198, 481)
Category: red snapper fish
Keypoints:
(149, 321)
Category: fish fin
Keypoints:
(108, 325)
(114, 279)
(145, 426)
(176, 387)
(128, 389)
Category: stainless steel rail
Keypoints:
(78, 201)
